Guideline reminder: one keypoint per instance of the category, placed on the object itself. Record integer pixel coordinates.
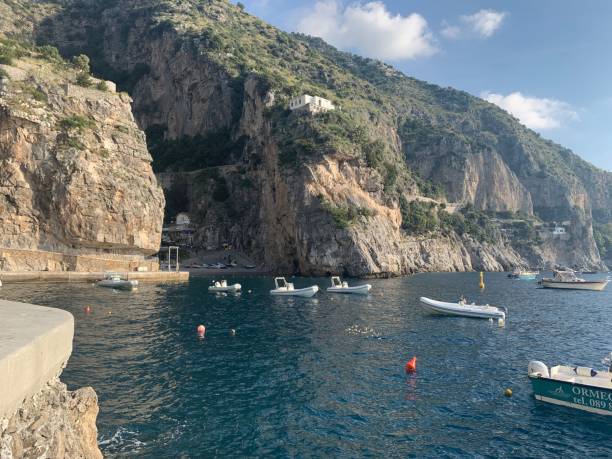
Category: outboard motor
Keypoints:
(537, 369)
(607, 361)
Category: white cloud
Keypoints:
(484, 22)
(450, 31)
(369, 29)
(535, 113)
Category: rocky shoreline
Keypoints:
(53, 423)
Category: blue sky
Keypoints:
(549, 62)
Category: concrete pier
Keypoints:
(72, 276)
(35, 344)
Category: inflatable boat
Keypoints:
(338, 286)
(221, 286)
(462, 308)
(284, 288)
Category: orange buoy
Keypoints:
(201, 330)
(411, 365)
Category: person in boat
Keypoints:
(462, 300)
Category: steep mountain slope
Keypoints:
(403, 176)
(76, 185)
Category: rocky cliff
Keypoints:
(75, 173)
(54, 423)
(403, 176)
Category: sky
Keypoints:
(548, 62)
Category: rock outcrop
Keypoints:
(54, 423)
(75, 173)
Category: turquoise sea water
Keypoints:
(324, 377)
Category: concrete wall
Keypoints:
(35, 344)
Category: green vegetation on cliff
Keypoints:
(421, 139)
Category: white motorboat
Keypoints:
(567, 279)
(284, 288)
(462, 308)
(113, 280)
(338, 286)
(221, 286)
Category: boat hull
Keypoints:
(588, 285)
(356, 290)
(302, 292)
(122, 285)
(228, 289)
(573, 395)
(453, 309)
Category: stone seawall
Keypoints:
(39, 417)
(42, 260)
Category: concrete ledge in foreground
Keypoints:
(71, 276)
(35, 344)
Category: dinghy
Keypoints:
(113, 280)
(284, 288)
(522, 274)
(221, 286)
(463, 309)
(568, 280)
(581, 388)
(338, 286)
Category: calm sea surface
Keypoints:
(325, 376)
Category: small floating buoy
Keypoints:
(87, 309)
(411, 365)
(201, 330)
(250, 291)
(508, 392)
(110, 312)
(232, 332)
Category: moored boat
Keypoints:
(221, 286)
(113, 280)
(463, 309)
(581, 388)
(523, 274)
(284, 288)
(568, 280)
(338, 286)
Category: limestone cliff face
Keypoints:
(54, 423)
(75, 173)
(200, 68)
(282, 220)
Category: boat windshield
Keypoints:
(280, 282)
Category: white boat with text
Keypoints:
(114, 280)
(462, 308)
(581, 388)
(567, 279)
(221, 286)
(284, 288)
(339, 286)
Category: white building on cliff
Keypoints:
(312, 104)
